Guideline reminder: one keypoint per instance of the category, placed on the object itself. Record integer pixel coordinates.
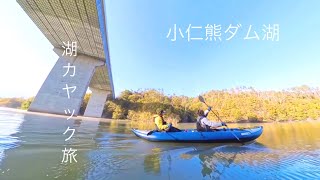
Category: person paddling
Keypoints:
(203, 124)
(162, 125)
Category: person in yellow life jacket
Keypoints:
(162, 125)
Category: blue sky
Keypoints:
(142, 57)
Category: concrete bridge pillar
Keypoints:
(52, 98)
(96, 103)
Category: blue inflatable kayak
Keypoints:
(219, 135)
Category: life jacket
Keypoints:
(154, 120)
(199, 125)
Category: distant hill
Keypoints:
(241, 104)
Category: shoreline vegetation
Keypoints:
(238, 105)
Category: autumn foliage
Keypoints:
(234, 105)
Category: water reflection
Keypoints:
(152, 161)
(227, 161)
(294, 135)
(215, 160)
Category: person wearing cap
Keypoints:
(203, 124)
(162, 125)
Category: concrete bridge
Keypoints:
(83, 22)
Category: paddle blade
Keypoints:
(201, 99)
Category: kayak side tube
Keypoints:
(219, 136)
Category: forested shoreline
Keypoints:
(234, 105)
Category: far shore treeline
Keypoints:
(234, 105)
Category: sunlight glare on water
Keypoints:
(9, 125)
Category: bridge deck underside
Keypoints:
(73, 21)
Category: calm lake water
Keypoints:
(31, 148)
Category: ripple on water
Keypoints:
(115, 141)
(105, 164)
